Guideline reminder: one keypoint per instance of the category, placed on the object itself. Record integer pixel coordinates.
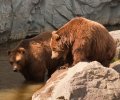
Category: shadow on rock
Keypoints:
(116, 66)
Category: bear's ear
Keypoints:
(9, 52)
(55, 36)
(21, 50)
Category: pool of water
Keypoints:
(12, 84)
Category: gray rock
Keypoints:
(84, 81)
(116, 36)
(5, 20)
(26, 17)
(116, 65)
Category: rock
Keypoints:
(116, 65)
(5, 20)
(116, 36)
(48, 88)
(84, 81)
(28, 17)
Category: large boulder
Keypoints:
(116, 36)
(25, 17)
(84, 81)
(116, 65)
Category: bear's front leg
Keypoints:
(79, 55)
(81, 49)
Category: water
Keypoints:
(13, 85)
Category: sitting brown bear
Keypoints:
(83, 40)
(32, 57)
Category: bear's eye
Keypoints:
(18, 62)
(54, 49)
(57, 39)
(11, 62)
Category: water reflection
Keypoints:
(13, 85)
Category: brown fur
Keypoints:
(83, 40)
(32, 57)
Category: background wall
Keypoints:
(19, 18)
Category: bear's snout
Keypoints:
(15, 69)
(54, 55)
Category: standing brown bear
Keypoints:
(32, 57)
(83, 40)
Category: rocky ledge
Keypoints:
(116, 36)
(22, 18)
(84, 81)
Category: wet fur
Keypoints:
(37, 57)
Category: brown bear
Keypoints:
(82, 39)
(32, 57)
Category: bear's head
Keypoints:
(58, 46)
(17, 58)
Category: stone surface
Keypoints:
(25, 17)
(116, 35)
(84, 81)
(116, 65)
